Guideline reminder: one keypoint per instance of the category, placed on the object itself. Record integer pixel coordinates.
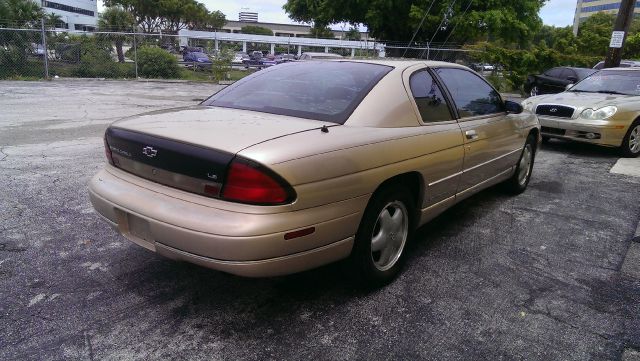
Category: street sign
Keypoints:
(616, 39)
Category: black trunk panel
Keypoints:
(169, 155)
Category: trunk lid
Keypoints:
(229, 130)
(191, 148)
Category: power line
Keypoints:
(455, 26)
(444, 17)
(418, 29)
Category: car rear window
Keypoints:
(325, 91)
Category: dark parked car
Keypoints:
(197, 57)
(258, 59)
(555, 80)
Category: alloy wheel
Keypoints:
(634, 140)
(389, 235)
(534, 91)
(524, 168)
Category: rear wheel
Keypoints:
(631, 143)
(386, 226)
(520, 179)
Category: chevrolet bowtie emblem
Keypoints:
(149, 151)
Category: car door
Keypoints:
(441, 134)
(549, 81)
(492, 140)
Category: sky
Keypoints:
(555, 12)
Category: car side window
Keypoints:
(472, 95)
(429, 99)
(554, 73)
(566, 73)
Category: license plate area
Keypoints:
(136, 229)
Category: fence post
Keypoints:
(45, 55)
(135, 52)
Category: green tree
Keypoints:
(116, 19)
(213, 20)
(353, 34)
(170, 16)
(507, 20)
(557, 38)
(594, 34)
(257, 30)
(322, 32)
(54, 21)
(145, 12)
(632, 47)
(14, 44)
(178, 14)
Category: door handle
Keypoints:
(471, 134)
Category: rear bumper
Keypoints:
(605, 133)
(245, 244)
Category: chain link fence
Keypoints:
(38, 54)
(34, 54)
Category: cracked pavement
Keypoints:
(532, 277)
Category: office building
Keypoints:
(248, 16)
(586, 8)
(75, 14)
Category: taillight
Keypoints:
(251, 183)
(107, 151)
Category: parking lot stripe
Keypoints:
(627, 166)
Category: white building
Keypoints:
(246, 15)
(76, 14)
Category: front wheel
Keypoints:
(520, 179)
(631, 143)
(386, 226)
(535, 91)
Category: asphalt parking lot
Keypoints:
(534, 277)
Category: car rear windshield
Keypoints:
(325, 91)
(626, 82)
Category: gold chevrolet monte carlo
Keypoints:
(602, 109)
(308, 163)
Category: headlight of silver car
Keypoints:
(599, 114)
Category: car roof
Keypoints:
(404, 64)
(636, 68)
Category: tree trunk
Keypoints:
(119, 51)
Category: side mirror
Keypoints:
(572, 79)
(513, 107)
(569, 86)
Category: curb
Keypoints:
(636, 237)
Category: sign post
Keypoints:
(621, 28)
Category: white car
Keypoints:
(239, 58)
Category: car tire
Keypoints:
(631, 144)
(520, 180)
(386, 227)
(535, 91)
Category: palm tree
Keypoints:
(53, 20)
(116, 19)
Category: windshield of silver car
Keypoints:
(623, 82)
(324, 91)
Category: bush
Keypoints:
(221, 65)
(95, 62)
(157, 63)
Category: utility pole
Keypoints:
(43, 34)
(620, 31)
